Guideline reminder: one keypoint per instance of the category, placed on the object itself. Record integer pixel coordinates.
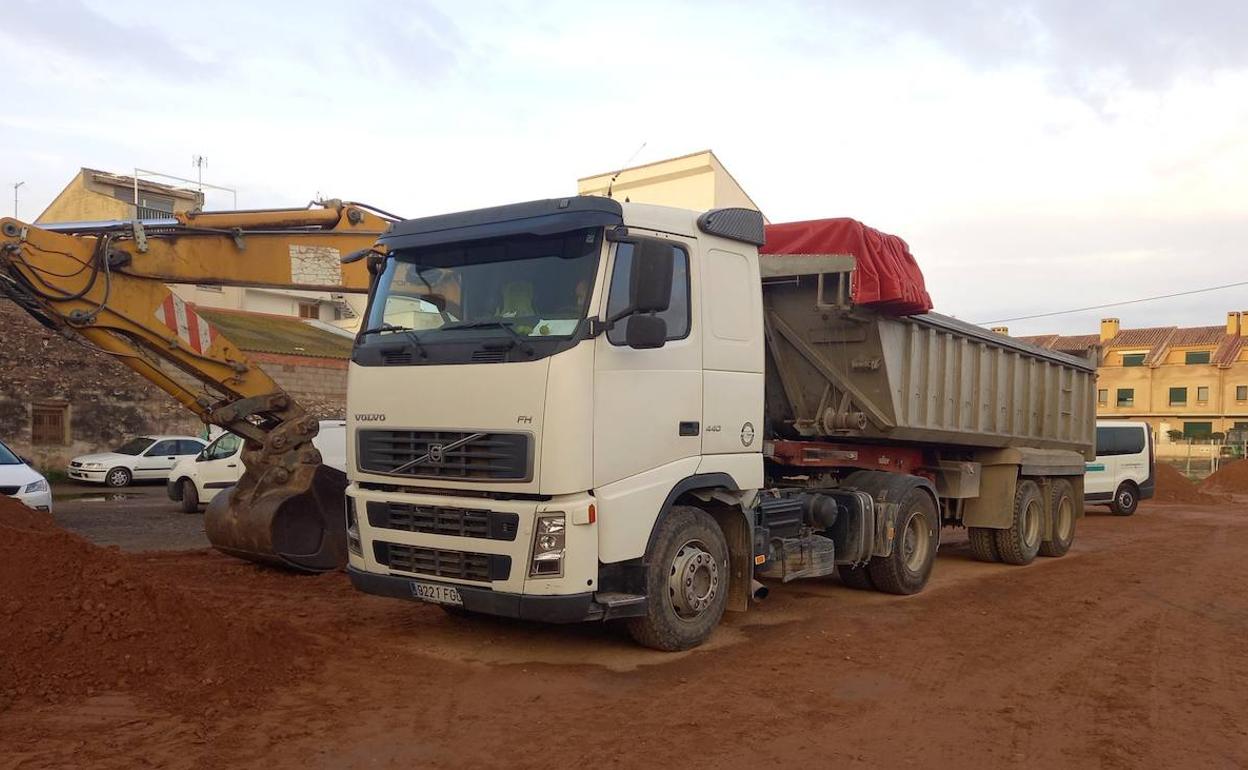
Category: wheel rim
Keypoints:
(1031, 523)
(117, 478)
(693, 582)
(1065, 518)
(915, 543)
(1125, 498)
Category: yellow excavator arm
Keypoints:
(107, 283)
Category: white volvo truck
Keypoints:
(580, 409)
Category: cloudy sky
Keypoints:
(1038, 156)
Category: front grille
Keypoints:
(462, 565)
(446, 454)
(443, 520)
(13, 491)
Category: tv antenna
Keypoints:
(627, 163)
(199, 161)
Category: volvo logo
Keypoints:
(370, 418)
(747, 434)
(436, 456)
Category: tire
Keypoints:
(984, 544)
(118, 477)
(855, 577)
(687, 542)
(1126, 499)
(1063, 507)
(906, 570)
(190, 496)
(1021, 542)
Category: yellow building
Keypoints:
(696, 181)
(1188, 379)
(92, 196)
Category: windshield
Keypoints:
(532, 286)
(7, 457)
(134, 446)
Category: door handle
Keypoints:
(689, 428)
(232, 465)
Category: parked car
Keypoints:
(18, 479)
(1122, 474)
(145, 457)
(194, 481)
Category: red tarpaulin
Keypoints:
(887, 277)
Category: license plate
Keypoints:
(427, 592)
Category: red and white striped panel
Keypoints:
(190, 327)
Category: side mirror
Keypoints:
(646, 332)
(650, 282)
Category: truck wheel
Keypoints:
(984, 544)
(906, 570)
(855, 577)
(118, 477)
(190, 497)
(1021, 542)
(1063, 507)
(1126, 499)
(686, 581)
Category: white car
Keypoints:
(1122, 474)
(18, 479)
(145, 457)
(194, 481)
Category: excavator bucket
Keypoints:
(288, 509)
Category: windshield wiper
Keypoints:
(405, 330)
(507, 326)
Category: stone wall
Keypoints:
(319, 384)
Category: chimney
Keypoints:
(1233, 321)
(1001, 330)
(1109, 329)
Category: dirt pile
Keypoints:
(1173, 487)
(1230, 479)
(78, 619)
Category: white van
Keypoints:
(1122, 474)
(196, 480)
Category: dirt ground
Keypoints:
(140, 517)
(1132, 651)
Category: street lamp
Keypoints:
(15, 186)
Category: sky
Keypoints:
(1037, 156)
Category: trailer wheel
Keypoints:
(907, 568)
(686, 581)
(1063, 507)
(984, 544)
(1021, 542)
(855, 577)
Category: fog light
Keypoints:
(548, 545)
(353, 529)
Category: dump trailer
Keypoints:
(626, 411)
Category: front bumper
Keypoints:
(568, 608)
(40, 501)
(81, 474)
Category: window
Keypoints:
(677, 313)
(1178, 397)
(188, 447)
(48, 424)
(309, 310)
(224, 446)
(1241, 392)
(1126, 397)
(1196, 357)
(1102, 397)
(134, 446)
(164, 448)
(1133, 359)
(1202, 394)
(1127, 440)
(1197, 429)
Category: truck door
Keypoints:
(648, 403)
(732, 354)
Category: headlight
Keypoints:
(353, 529)
(36, 486)
(548, 542)
(93, 466)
